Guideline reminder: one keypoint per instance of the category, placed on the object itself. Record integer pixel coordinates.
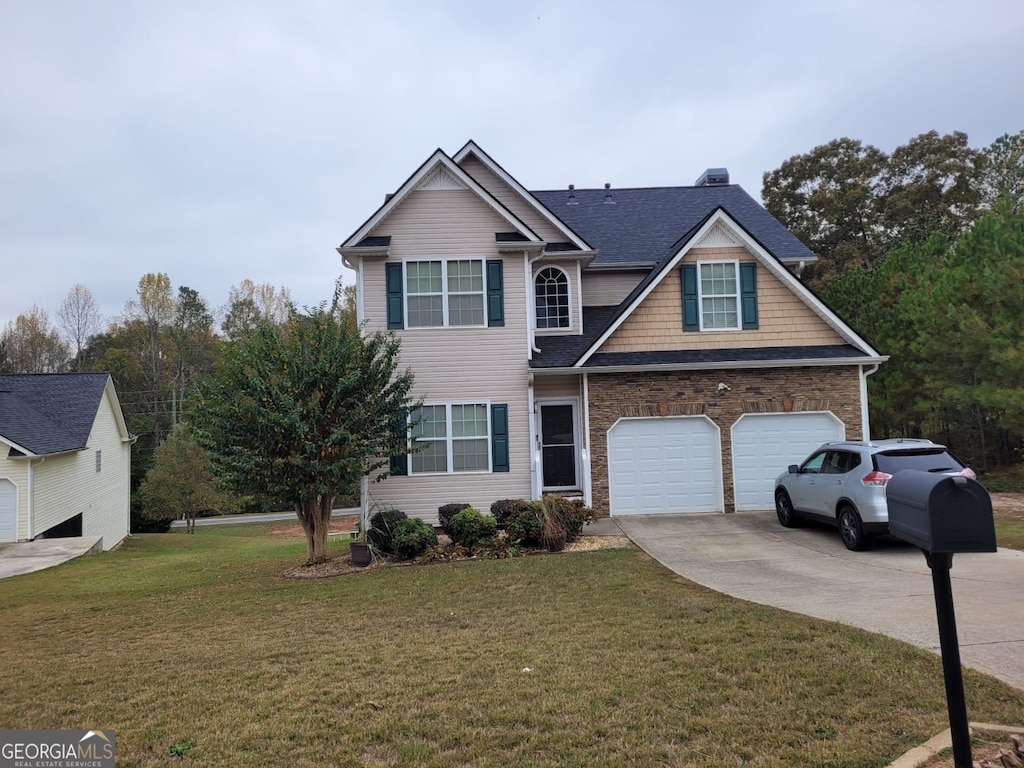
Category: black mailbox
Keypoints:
(939, 513)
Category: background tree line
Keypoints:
(158, 350)
(922, 251)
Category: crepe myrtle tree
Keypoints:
(300, 411)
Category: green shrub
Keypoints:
(412, 537)
(500, 510)
(380, 534)
(525, 523)
(447, 512)
(469, 528)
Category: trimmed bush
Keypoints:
(412, 537)
(382, 528)
(469, 528)
(500, 510)
(525, 523)
(447, 512)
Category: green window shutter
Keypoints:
(748, 294)
(691, 309)
(495, 294)
(400, 463)
(499, 438)
(396, 310)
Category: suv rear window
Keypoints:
(924, 459)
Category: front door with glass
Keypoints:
(558, 446)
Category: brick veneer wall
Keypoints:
(691, 393)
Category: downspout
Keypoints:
(588, 491)
(531, 309)
(31, 496)
(535, 458)
(864, 418)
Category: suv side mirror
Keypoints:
(794, 468)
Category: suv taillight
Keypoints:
(876, 478)
(968, 472)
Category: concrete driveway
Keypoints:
(887, 589)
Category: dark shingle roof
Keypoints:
(563, 351)
(50, 412)
(643, 224)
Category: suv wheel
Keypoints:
(851, 530)
(784, 509)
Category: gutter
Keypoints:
(729, 364)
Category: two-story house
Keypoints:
(652, 350)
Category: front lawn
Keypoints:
(195, 644)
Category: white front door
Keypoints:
(558, 446)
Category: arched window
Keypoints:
(551, 287)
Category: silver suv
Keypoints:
(843, 484)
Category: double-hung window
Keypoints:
(719, 295)
(451, 438)
(445, 293)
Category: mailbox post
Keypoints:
(943, 515)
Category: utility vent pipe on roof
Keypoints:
(608, 194)
(572, 196)
(713, 177)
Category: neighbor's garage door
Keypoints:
(764, 444)
(664, 465)
(8, 511)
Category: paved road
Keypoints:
(887, 589)
(266, 517)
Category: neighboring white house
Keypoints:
(65, 458)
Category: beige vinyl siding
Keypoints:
(68, 484)
(457, 365)
(525, 212)
(784, 319)
(556, 386)
(17, 472)
(609, 289)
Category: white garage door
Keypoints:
(764, 444)
(8, 511)
(664, 465)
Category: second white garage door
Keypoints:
(665, 465)
(764, 444)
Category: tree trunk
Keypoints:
(315, 516)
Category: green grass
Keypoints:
(194, 644)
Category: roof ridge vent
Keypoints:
(608, 194)
(713, 177)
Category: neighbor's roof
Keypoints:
(641, 226)
(50, 412)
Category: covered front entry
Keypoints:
(8, 510)
(764, 444)
(664, 465)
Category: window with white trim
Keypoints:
(451, 437)
(719, 295)
(551, 289)
(445, 293)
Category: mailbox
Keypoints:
(940, 513)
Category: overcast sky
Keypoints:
(218, 140)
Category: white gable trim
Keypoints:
(725, 223)
(471, 148)
(718, 237)
(430, 173)
(20, 448)
(441, 178)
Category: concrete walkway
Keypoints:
(808, 570)
(29, 556)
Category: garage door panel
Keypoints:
(8, 510)
(763, 445)
(664, 465)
